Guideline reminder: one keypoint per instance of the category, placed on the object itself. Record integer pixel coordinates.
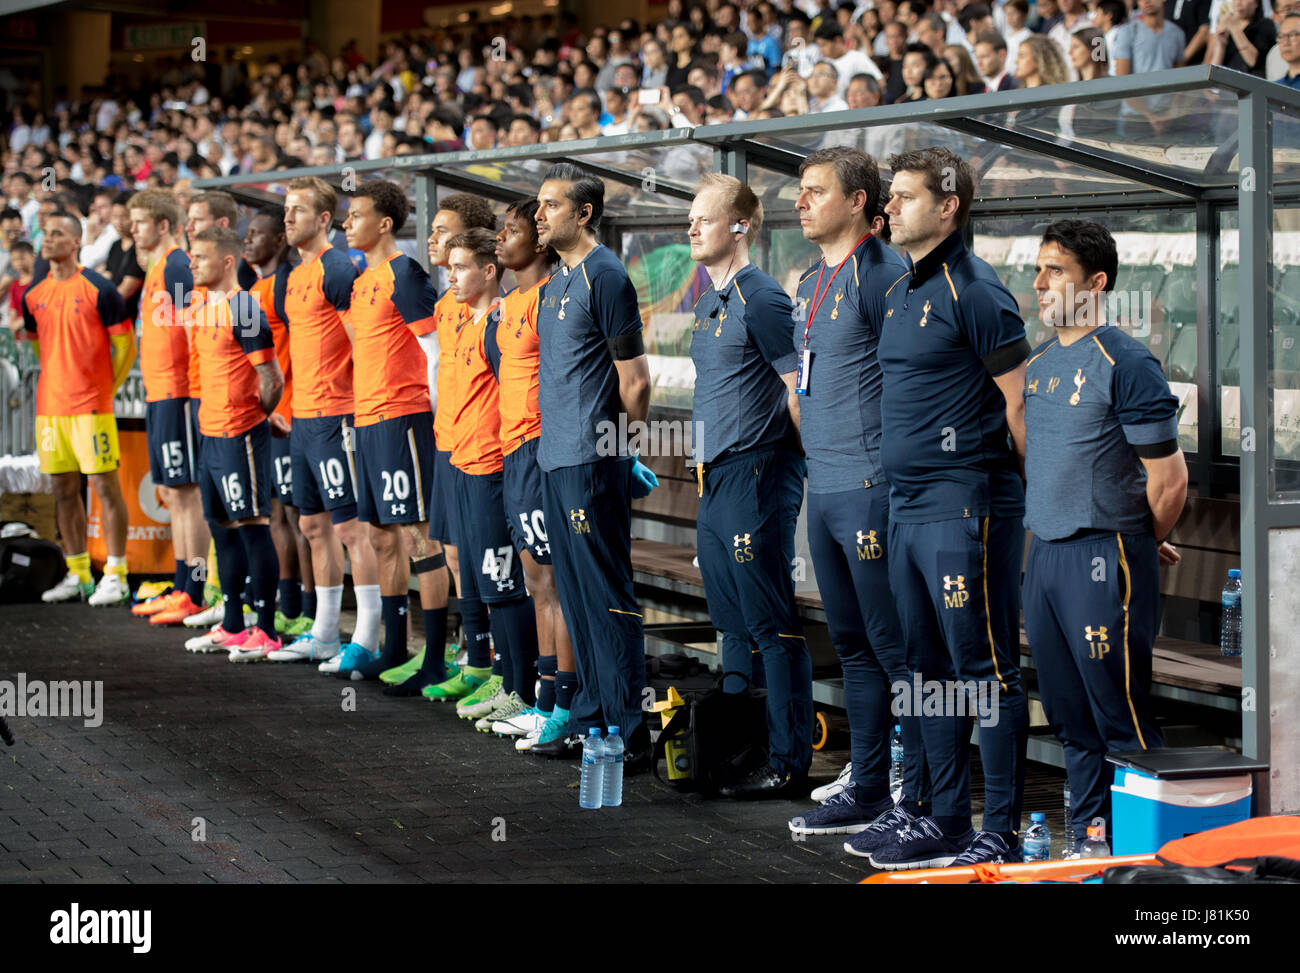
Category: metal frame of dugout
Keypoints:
(1201, 140)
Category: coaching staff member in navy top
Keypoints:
(592, 366)
(750, 476)
(839, 311)
(953, 352)
(1105, 483)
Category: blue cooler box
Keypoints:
(1149, 811)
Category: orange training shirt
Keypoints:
(164, 345)
(232, 336)
(450, 315)
(318, 291)
(477, 424)
(270, 294)
(521, 419)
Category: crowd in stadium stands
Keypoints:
(527, 80)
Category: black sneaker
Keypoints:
(567, 747)
(841, 814)
(880, 832)
(923, 845)
(767, 782)
(989, 847)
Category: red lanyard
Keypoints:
(817, 301)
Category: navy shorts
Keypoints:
(521, 486)
(235, 475)
(323, 467)
(442, 512)
(172, 432)
(282, 470)
(395, 469)
(485, 543)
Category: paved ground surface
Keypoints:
(281, 784)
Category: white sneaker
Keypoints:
(521, 725)
(331, 664)
(510, 707)
(305, 648)
(69, 589)
(212, 615)
(213, 641)
(111, 590)
(838, 786)
(526, 741)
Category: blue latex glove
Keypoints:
(643, 479)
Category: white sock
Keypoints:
(114, 561)
(369, 614)
(325, 627)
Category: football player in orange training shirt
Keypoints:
(456, 214)
(474, 275)
(521, 424)
(392, 302)
(77, 325)
(267, 253)
(242, 383)
(321, 441)
(170, 416)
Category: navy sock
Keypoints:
(194, 585)
(291, 597)
(246, 588)
(263, 573)
(394, 610)
(182, 572)
(500, 652)
(546, 667)
(566, 684)
(433, 669)
(473, 618)
(519, 620)
(232, 564)
(309, 603)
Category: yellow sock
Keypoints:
(79, 564)
(116, 565)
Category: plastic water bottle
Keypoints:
(1094, 846)
(896, 761)
(1070, 836)
(1037, 840)
(1230, 630)
(593, 770)
(612, 793)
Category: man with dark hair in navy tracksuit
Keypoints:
(592, 367)
(953, 351)
(1106, 482)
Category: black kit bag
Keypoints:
(714, 738)
(29, 566)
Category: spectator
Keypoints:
(706, 77)
(1192, 17)
(1149, 44)
(11, 231)
(1040, 62)
(933, 33)
(895, 48)
(122, 267)
(966, 80)
(1288, 40)
(648, 118)
(916, 63)
(1111, 17)
(687, 106)
(524, 129)
(654, 73)
(909, 15)
(1088, 53)
(991, 59)
(800, 53)
(1016, 13)
(584, 113)
(618, 105)
(746, 93)
(97, 232)
(823, 86)
(717, 110)
(975, 19)
(938, 81)
(1073, 16)
(683, 47)
(22, 266)
(765, 36)
(1243, 38)
(1048, 16)
(381, 123)
(788, 94)
(863, 92)
(848, 61)
(1275, 65)
(733, 57)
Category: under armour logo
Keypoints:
(507, 585)
(1098, 643)
(740, 539)
(398, 509)
(578, 521)
(869, 537)
(334, 493)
